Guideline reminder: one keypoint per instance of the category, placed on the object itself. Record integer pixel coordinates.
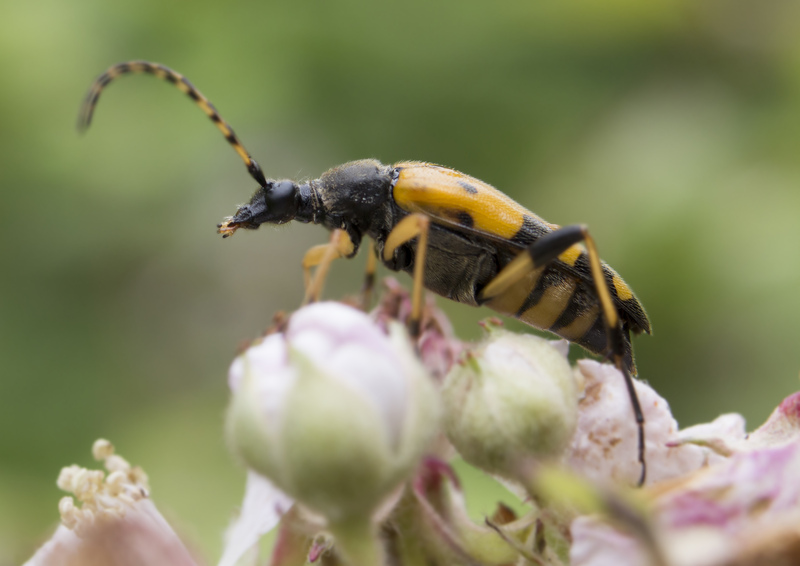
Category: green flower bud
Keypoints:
(512, 398)
(333, 411)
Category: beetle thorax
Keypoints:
(355, 193)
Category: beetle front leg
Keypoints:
(322, 256)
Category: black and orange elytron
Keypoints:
(458, 236)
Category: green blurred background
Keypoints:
(672, 128)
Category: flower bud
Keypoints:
(333, 411)
(512, 398)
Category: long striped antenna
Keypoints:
(183, 84)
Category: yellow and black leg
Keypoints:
(548, 248)
(410, 227)
(321, 257)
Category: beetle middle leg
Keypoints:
(542, 252)
(410, 227)
(369, 276)
(322, 256)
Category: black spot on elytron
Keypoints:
(465, 219)
(530, 231)
(468, 187)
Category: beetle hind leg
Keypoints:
(562, 244)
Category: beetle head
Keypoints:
(276, 202)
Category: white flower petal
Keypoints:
(605, 445)
(262, 509)
(596, 544)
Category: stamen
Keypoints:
(100, 497)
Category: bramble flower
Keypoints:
(604, 445)
(114, 521)
(731, 498)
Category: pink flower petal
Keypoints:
(141, 537)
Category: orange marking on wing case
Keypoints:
(575, 330)
(571, 255)
(623, 291)
(551, 306)
(439, 192)
(509, 301)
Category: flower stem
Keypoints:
(358, 542)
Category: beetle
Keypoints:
(456, 235)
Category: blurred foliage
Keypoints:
(670, 127)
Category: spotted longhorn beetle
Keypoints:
(458, 236)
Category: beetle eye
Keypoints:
(280, 198)
(280, 191)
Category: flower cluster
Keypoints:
(347, 428)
